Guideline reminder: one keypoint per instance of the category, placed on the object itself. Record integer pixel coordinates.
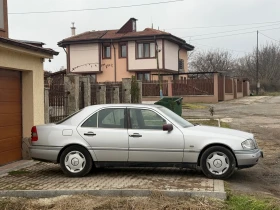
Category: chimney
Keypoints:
(73, 29)
(129, 26)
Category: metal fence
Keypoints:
(195, 85)
(152, 88)
(239, 86)
(58, 103)
(228, 85)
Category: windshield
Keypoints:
(181, 121)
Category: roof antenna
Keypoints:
(152, 22)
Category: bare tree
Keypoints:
(212, 61)
(269, 67)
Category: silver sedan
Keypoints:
(128, 135)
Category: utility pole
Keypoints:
(257, 76)
(159, 78)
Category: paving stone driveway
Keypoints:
(48, 176)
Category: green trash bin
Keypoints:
(172, 103)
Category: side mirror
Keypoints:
(167, 127)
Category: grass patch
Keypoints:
(18, 172)
(155, 201)
(270, 94)
(245, 202)
(210, 122)
(193, 106)
(224, 125)
(205, 122)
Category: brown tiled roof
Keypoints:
(28, 46)
(86, 36)
(112, 34)
(99, 36)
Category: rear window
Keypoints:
(63, 120)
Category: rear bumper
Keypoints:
(247, 159)
(48, 154)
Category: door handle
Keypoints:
(135, 135)
(90, 134)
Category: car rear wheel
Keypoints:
(75, 161)
(217, 162)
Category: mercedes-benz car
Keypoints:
(137, 135)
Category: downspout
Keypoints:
(159, 78)
(67, 61)
(179, 60)
(115, 62)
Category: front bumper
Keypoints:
(248, 158)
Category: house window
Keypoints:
(143, 76)
(107, 51)
(146, 50)
(1, 14)
(123, 51)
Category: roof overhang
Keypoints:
(27, 47)
(169, 37)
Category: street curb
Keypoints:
(141, 193)
(23, 165)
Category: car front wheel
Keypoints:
(75, 161)
(217, 162)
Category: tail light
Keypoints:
(34, 134)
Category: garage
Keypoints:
(10, 116)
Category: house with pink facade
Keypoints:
(111, 55)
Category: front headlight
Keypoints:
(248, 144)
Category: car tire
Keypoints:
(75, 161)
(217, 162)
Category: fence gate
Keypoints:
(58, 103)
(221, 88)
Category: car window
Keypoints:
(91, 122)
(171, 115)
(112, 118)
(145, 119)
(66, 118)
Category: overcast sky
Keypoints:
(51, 28)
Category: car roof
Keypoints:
(122, 105)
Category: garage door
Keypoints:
(10, 116)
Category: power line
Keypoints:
(219, 26)
(222, 48)
(232, 30)
(93, 9)
(269, 37)
(213, 37)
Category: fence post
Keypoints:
(216, 84)
(139, 82)
(116, 93)
(47, 105)
(126, 88)
(235, 88)
(71, 83)
(169, 83)
(87, 90)
(101, 94)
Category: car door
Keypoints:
(106, 133)
(147, 140)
